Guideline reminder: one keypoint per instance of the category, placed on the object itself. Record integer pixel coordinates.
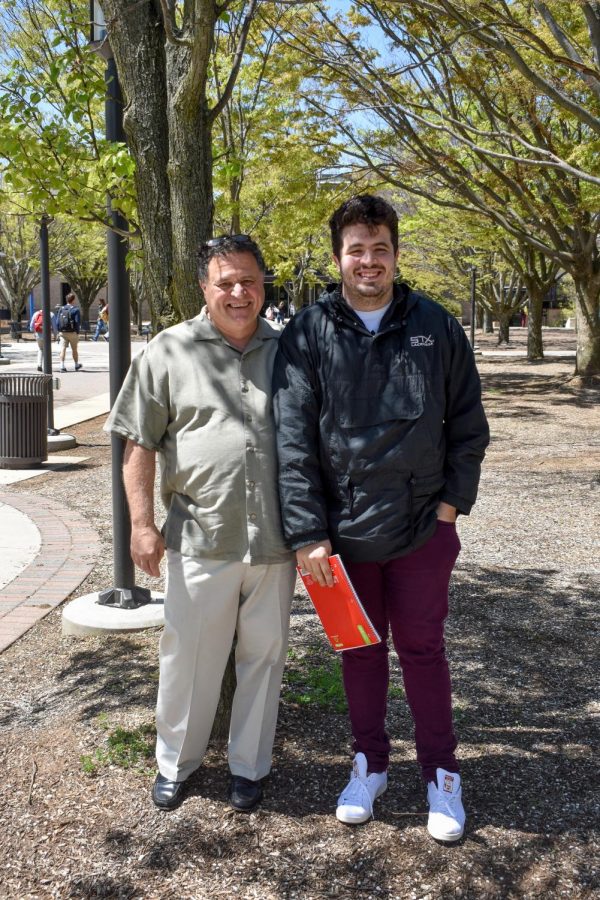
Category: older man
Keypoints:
(200, 397)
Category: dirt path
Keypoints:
(521, 640)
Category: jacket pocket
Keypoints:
(372, 403)
(424, 492)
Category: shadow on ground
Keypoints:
(553, 389)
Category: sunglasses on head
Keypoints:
(240, 239)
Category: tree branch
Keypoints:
(237, 61)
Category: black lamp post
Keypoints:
(125, 592)
(473, 283)
(46, 325)
(1, 357)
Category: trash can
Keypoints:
(23, 420)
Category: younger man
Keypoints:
(381, 434)
(68, 322)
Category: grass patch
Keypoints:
(309, 683)
(127, 748)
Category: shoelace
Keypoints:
(446, 805)
(356, 792)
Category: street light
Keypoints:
(2, 255)
(125, 593)
(46, 324)
(473, 287)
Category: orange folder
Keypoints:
(342, 615)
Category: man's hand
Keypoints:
(147, 549)
(446, 513)
(314, 559)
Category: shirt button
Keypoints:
(248, 418)
(250, 449)
(251, 485)
(252, 517)
(244, 389)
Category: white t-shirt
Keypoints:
(371, 319)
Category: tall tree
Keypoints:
(19, 260)
(79, 254)
(52, 148)
(436, 114)
(20, 252)
(164, 53)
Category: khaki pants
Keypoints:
(40, 349)
(69, 338)
(207, 602)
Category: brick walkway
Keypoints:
(68, 551)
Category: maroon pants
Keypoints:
(408, 595)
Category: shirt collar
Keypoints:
(204, 330)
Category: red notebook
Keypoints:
(341, 613)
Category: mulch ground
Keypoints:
(522, 643)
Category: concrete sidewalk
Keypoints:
(46, 548)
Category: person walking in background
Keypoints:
(68, 322)
(36, 326)
(229, 572)
(102, 322)
(381, 434)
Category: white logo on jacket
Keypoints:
(422, 340)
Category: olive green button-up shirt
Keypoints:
(206, 408)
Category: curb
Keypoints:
(68, 551)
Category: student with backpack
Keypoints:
(68, 321)
(36, 326)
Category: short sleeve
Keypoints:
(141, 410)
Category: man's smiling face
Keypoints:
(367, 265)
(234, 293)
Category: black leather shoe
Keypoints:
(167, 794)
(244, 794)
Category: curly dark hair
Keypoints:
(364, 209)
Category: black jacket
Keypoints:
(375, 430)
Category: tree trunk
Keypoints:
(587, 312)
(220, 729)
(143, 79)
(535, 303)
(17, 305)
(504, 327)
(84, 305)
(190, 182)
(488, 322)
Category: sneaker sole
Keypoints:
(357, 821)
(444, 837)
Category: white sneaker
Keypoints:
(446, 820)
(355, 803)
